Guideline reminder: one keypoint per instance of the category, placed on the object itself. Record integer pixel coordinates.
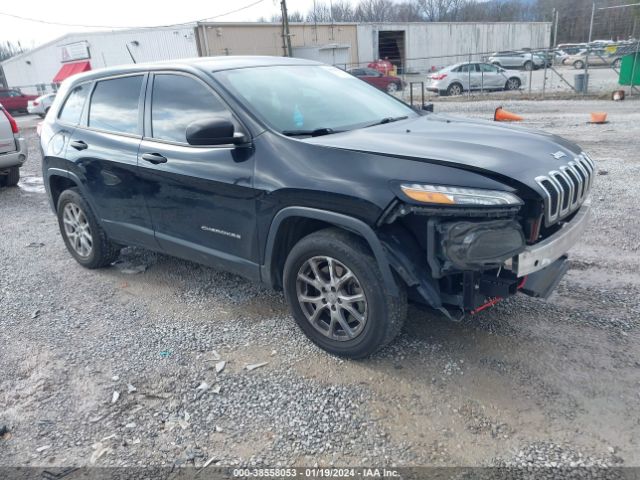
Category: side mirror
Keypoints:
(213, 131)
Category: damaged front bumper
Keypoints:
(541, 255)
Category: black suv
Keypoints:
(298, 175)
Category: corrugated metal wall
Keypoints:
(266, 38)
(106, 49)
(455, 40)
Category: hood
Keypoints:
(486, 147)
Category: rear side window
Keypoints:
(114, 105)
(72, 108)
(178, 101)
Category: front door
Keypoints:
(104, 148)
(491, 77)
(200, 198)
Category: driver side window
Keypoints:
(179, 100)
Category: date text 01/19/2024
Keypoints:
(316, 473)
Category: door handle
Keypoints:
(154, 158)
(79, 145)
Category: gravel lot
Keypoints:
(121, 367)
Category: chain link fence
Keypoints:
(596, 70)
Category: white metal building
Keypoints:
(412, 47)
(423, 46)
(37, 71)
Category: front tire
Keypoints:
(83, 236)
(337, 297)
(578, 64)
(392, 87)
(528, 65)
(512, 84)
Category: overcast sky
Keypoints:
(125, 13)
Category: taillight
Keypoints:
(12, 121)
(439, 77)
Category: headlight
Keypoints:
(445, 195)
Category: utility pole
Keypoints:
(286, 34)
(586, 66)
(556, 14)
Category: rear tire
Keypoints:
(392, 87)
(353, 296)
(85, 239)
(13, 177)
(578, 64)
(528, 65)
(454, 90)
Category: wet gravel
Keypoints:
(527, 384)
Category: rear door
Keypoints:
(469, 76)
(200, 198)
(104, 148)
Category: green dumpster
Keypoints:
(630, 69)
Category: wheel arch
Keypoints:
(292, 223)
(58, 180)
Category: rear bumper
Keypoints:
(38, 109)
(543, 254)
(16, 158)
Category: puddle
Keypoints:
(32, 184)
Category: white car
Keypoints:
(523, 60)
(455, 79)
(40, 106)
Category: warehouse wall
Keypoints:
(106, 48)
(266, 38)
(455, 40)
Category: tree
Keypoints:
(9, 49)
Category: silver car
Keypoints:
(40, 106)
(524, 60)
(458, 78)
(13, 149)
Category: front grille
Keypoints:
(566, 188)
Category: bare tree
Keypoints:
(342, 11)
(319, 13)
(375, 11)
(9, 49)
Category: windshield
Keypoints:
(311, 98)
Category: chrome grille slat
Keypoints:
(570, 183)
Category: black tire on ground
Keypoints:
(103, 251)
(512, 83)
(455, 89)
(385, 314)
(578, 64)
(528, 65)
(13, 177)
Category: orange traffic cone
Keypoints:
(598, 117)
(502, 115)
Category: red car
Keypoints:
(377, 79)
(14, 100)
